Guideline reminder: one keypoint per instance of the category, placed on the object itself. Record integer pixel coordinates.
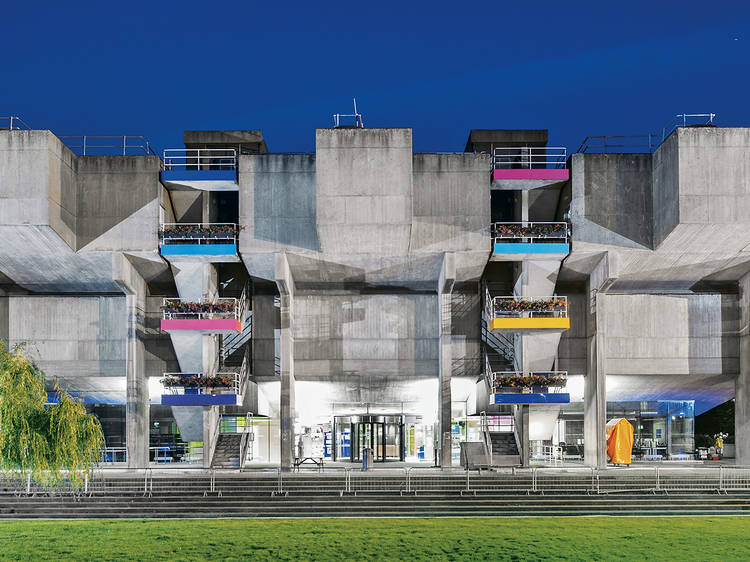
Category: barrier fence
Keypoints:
(413, 480)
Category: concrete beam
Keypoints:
(285, 283)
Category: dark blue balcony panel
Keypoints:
(198, 399)
(207, 180)
(530, 398)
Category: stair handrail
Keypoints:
(484, 424)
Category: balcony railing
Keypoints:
(200, 159)
(528, 157)
(529, 307)
(517, 381)
(532, 232)
(179, 309)
(198, 233)
(120, 145)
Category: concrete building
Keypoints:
(220, 304)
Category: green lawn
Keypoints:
(381, 539)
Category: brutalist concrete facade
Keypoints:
(367, 266)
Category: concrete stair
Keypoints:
(323, 495)
(227, 451)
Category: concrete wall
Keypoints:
(118, 202)
(364, 191)
(573, 342)
(714, 177)
(79, 339)
(665, 189)
(37, 182)
(365, 335)
(617, 191)
(672, 334)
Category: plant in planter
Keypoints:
(529, 382)
(520, 305)
(511, 231)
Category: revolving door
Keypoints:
(383, 434)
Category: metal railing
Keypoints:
(113, 145)
(198, 233)
(645, 143)
(234, 309)
(14, 123)
(496, 379)
(529, 307)
(528, 157)
(200, 159)
(413, 480)
(230, 343)
(534, 232)
(114, 454)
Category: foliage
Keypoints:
(221, 306)
(531, 230)
(530, 304)
(531, 380)
(45, 440)
(197, 381)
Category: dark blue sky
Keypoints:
(577, 68)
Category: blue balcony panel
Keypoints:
(530, 398)
(531, 248)
(199, 249)
(198, 399)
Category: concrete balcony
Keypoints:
(516, 387)
(223, 316)
(528, 314)
(528, 167)
(518, 241)
(210, 169)
(199, 242)
(197, 389)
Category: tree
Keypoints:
(45, 440)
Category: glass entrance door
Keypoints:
(383, 434)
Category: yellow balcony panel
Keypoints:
(530, 324)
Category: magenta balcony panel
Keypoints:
(554, 174)
(204, 325)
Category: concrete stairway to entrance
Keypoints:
(363, 495)
(503, 443)
(227, 451)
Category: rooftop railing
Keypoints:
(198, 233)
(178, 309)
(641, 144)
(120, 145)
(13, 123)
(534, 232)
(200, 159)
(529, 307)
(529, 157)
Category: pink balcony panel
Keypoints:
(560, 174)
(204, 325)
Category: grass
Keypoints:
(559, 538)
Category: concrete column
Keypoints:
(524, 436)
(136, 399)
(595, 388)
(210, 433)
(742, 382)
(285, 284)
(525, 205)
(445, 288)
(4, 319)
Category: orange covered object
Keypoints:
(619, 441)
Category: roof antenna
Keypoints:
(358, 123)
